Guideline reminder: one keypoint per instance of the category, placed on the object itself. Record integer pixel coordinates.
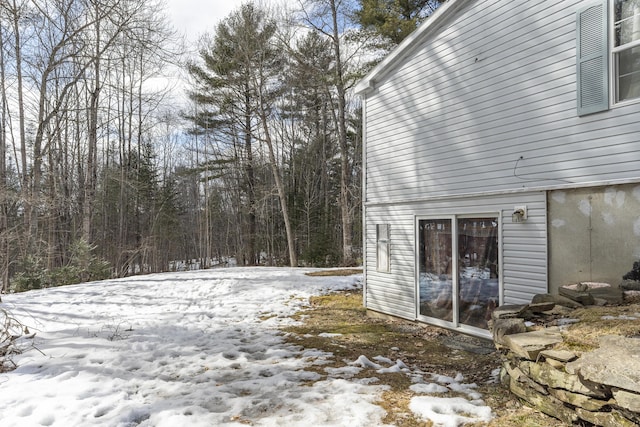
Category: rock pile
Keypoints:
(601, 387)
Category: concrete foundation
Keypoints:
(594, 234)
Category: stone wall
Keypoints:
(601, 387)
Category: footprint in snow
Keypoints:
(68, 375)
(258, 355)
(25, 411)
(47, 420)
(231, 355)
(216, 405)
(102, 411)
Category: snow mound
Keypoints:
(449, 412)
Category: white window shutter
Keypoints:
(592, 53)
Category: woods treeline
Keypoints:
(106, 170)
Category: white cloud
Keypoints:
(196, 17)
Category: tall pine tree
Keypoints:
(394, 20)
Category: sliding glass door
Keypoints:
(436, 270)
(458, 269)
(478, 273)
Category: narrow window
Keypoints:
(383, 260)
(626, 49)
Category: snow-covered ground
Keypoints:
(198, 348)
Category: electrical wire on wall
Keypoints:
(522, 178)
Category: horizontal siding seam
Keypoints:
(454, 196)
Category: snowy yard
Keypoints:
(198, 348)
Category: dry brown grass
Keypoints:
(418, 346)
(339, 272)
(595, 322)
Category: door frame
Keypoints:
(455, 324)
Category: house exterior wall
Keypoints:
(594, 234)
(523, 258)
(480, 116)
(488, 104)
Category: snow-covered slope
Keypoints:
(197, 348)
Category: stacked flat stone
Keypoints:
(601, 387)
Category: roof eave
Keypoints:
(431, 24)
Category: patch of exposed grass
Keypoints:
(510, 412)
(340, 272)
(396, 403)
(419, 346)
(343, 313)
(595, 322)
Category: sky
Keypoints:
(195, 17)
(200, 348)
(192, 19)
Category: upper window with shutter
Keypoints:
(626, 49)
(592, 59)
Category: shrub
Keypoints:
(31, 275)
(82, 266)
(86, 264)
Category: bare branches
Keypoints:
(12, 339)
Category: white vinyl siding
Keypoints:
(478, 116)
(390, 293)
(495, 84)
(523, 269)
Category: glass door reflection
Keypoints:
(478, 270)
(435, 268)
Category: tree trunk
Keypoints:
(4, 191)
(92, 141)
(21, 114)
(251, 235)
(293, 257)
(345, 173)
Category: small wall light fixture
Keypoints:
(519, 214)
